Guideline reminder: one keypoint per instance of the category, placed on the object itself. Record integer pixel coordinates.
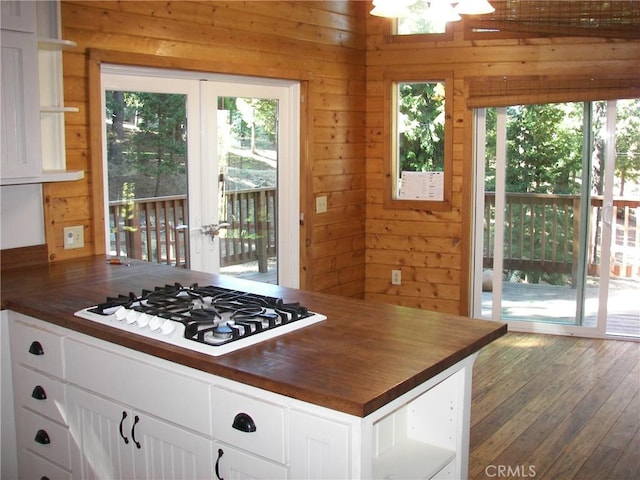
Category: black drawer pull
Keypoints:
(39, 393)
(44, 478)
(42, 437)
(244, 423)
(36, 348)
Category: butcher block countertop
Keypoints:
(361, 357)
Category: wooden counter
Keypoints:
(359, 359)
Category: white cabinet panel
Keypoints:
(115, 442)
(43, 437)
(267, 440)
(20, 134)
(18, 15)
(38, 468)
(319, 447)
(36, 347)
(158, 390)
(40, 393)
(232, 464)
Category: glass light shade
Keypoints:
(474, 7)
(441, 11)
(391, 8)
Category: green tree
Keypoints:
(628, 143)
(421, 126)
(159, 144)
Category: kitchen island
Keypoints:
(377, 381)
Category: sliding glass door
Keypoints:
(545, 257)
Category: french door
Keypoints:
(548, 230)
(196, 169)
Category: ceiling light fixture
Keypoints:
(441, 10)
(391, 8)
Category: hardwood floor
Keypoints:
(550, 407)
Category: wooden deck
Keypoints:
(553, 407)
(556, 304)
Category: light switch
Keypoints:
(321, 204)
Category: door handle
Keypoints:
(126, 440)
(136, 419)
(213, 229)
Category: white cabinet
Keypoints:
(115, 442)
(20, 135)
(131, 415)
(18, 15)
(32, 133)
(320, 446)
(132, 418)
(42, 433)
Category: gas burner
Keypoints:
(209, 319)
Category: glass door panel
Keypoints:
(248, 180)
(559, 249)
(620, 219)
(146, 151)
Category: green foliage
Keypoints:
(146, 141)
(544, 154)
(421, 126)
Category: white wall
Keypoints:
(21, 216)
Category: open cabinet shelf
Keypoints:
(412, 459)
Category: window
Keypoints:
(418, 21)
(419, 167)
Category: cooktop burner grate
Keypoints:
(209, 319)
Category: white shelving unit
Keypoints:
(33, 142)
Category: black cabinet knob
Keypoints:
(244, 423)
(44, 478)
(42, 437)
(39, 393)
(36, 348)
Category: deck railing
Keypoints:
(539, 231)
(156, 229)
(541, 234)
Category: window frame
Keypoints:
(390, 139)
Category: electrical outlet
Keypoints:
(73, 237)
(396, 277)
(321, 204)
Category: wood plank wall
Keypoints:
(346, 53)
(325, 40)
(432, 248)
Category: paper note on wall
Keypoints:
(422, 186)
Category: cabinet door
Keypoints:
(116, 443)
(163, 451)
(102, 437)
(18, 15)
(319, 447)
(20, 131)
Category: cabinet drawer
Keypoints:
(268, 439)
(35, 346)
(162, 390)
(232, 463)
(32, 466)
(40, 393)
(29, 426)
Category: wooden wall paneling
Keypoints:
(320, 43)
(397, 239)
